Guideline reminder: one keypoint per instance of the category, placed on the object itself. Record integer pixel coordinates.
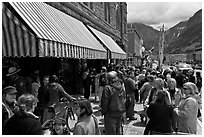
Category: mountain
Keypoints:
(186, 35)
(149, 35)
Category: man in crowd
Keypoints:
(103, 81)
(130, 87)
(113, 105)
(23, 85)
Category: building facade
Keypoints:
(134, 47)
(194, 53)
(63, 37)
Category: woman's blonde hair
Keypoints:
(193, 88)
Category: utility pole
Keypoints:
(161, 47)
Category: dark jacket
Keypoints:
(103, 79)
(23, 85)
(161, 117)
(130, 86)
(43, 97)
(22, 124)
(113, 101)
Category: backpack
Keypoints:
(118, 100)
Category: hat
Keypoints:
(104, 68)
(112, 74)
(60, 121)
(9, 89)
(12, 71)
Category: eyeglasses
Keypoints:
(12, 94)
(185, 88)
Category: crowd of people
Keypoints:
(171, 100)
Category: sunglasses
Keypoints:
(185, 88)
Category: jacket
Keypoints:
(187, 115)
(113, 101)
(7, 111)
(87, 125)
(22, 124)
(160, 117)
(130, 86)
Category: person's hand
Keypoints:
(176, 110)
(74, 99)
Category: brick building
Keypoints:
(134, 47)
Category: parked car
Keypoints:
(184, 66)
(198, 66)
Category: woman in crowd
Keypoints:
(141, 79)
(8, 102)
(24, 122)
(160, 114)
(55, 92)
(187, 110)
(87, 123)
(145, 89)
(175, 93)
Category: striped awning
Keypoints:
(17, 41)
(59, 35)
(116, 51)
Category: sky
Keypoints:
(157, 13)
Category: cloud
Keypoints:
(158, 13)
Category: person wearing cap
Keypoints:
(187, 110)
(60, 128)
(113, 105)
(23, 122)
(22, 84)
(8, 102)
